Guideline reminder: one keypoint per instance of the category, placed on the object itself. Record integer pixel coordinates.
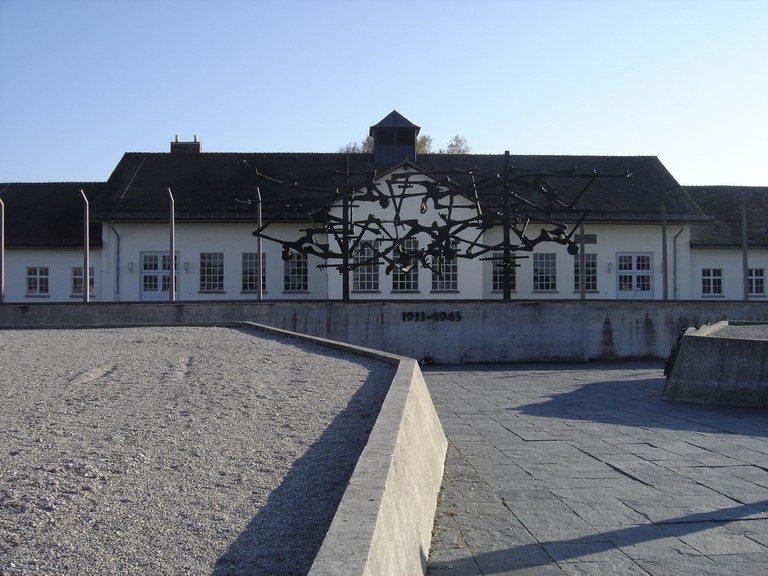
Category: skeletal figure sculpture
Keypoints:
(512, 200)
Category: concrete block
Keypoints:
(711, 369)
(383, 525)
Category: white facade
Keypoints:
(47, 275)
(718, 273)
(131, 250)
(119, 268)
(133, 263)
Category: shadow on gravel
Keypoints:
(285, 536)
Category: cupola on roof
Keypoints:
(394, 139)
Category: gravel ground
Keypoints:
(756, 331)
(175, 450)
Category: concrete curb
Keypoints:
(715, 370)
(383, 525)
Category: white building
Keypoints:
(644, 237)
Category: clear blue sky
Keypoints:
(84, 81)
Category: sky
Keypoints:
(84, 81)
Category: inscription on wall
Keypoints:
(441, 316)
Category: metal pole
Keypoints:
(665, 267)
(582, 265)
(345, 248)
(259, 249)
(745, 249)
(506, 254)
(345, 218)
(86, 250)
(172, 250)
(2, 251)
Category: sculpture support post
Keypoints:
(259, 248)
(345, 249)
(507, 253)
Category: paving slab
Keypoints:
(583, 469)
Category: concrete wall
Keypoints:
(383, 525)
(445, 331)
(718, 370)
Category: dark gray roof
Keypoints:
(637, 199)
(394, 120)
(48, 214)
(723, 207)
(213, 186)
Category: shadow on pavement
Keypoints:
(639, 403)
(548, 553)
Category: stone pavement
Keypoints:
(585, 470)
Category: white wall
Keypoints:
(730, 261)
(59, 263)
(191, 239)
(611, 240)
(475, 275)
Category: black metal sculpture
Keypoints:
(511, 199)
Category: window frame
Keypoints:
(497, 273)
(407, 282)
(365, 268)
(38, 281)
(711, 282)
(211, 278)
(296, 273)
(77, 281)
(590, 272)
(544, 272)
(445, 273)
(756, 281)
(250, 269)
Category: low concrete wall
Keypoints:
(444, 331)
(719, 370)
(383, 525)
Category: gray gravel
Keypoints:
(744, 331)
(175, 450)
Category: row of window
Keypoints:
(38, 281)
(634, 274)
(712, 281)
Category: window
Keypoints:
(711, 281)
(756, 281)
(37, 281)
(445, 273)
(211, 272)
(545, 272)
(77, 281)
(634, 276)
(590, 272)
(296, 273)
(365, 269)
(403, 281)
(497, 281)
(251, 272)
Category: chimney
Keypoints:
(194, 147)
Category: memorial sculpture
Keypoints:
(512, 199)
